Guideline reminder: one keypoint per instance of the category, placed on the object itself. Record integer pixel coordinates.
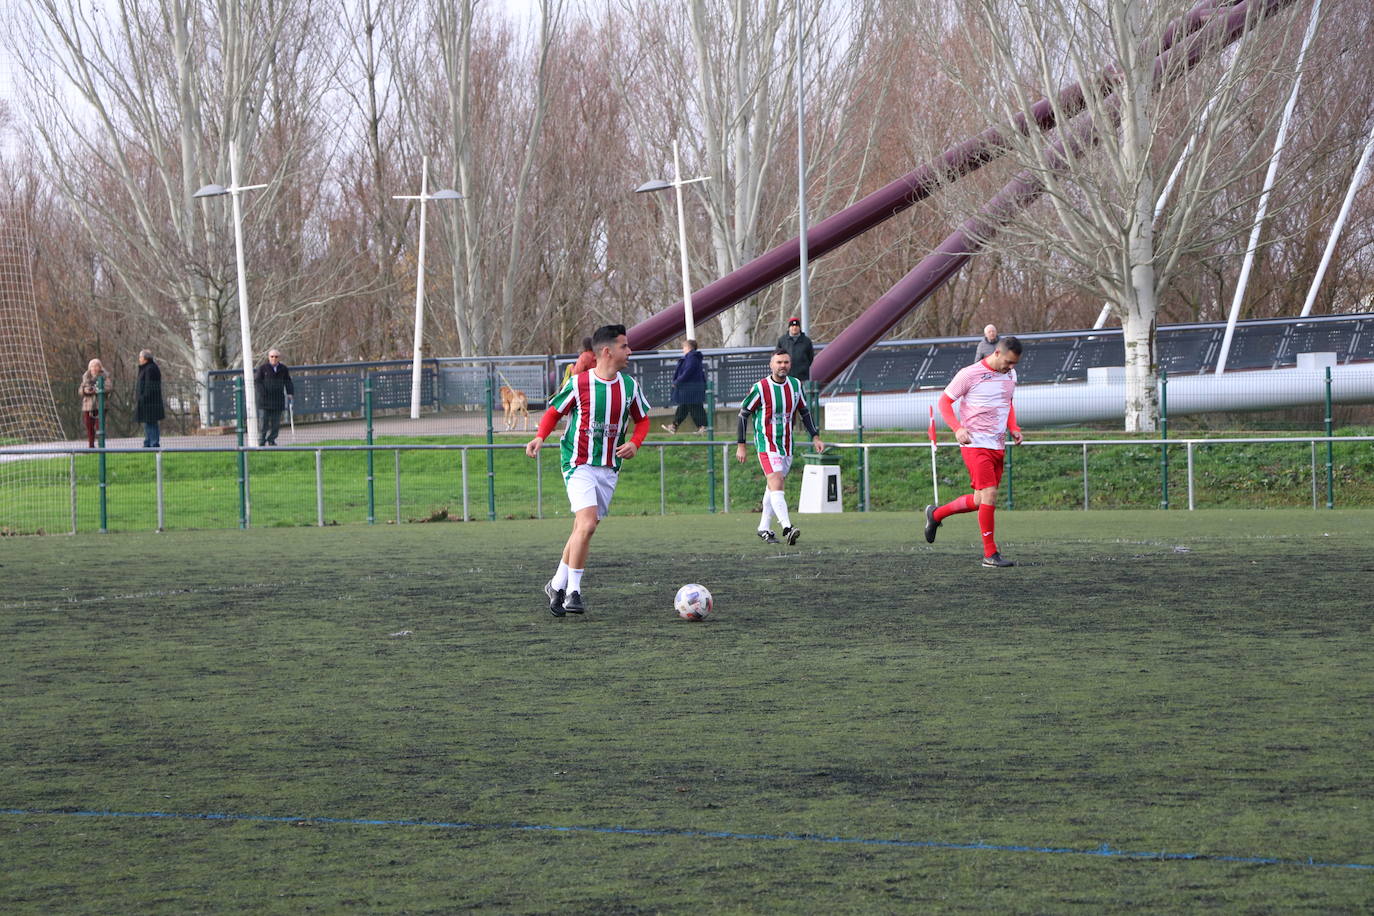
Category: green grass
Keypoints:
(201, 490)
(1177, 682)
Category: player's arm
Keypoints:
(741, 437)
(947, 411)
(811, 427)
(1012, 426)
(547, 424)
(641, 430)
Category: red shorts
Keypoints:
(775, 463)
(984, 466)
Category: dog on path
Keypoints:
(514, 401)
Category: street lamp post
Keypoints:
(803, 281)
(676, 184)
(423, 197)
(234, 190)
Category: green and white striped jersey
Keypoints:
(773, 405)
(601, 414)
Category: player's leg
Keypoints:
(585, 520)
(777, 492)
(988, 479)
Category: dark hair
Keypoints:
(783, 351)
(605, 335)
(691, 344)
(586, 343)
(1010, 344)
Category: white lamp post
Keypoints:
(676, 184)
(423, 197)
(234, 190)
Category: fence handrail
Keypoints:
(1081, 442)
(47, 452)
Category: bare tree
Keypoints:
(135, 106)
(732, 112)
(1097, 227)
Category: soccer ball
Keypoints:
(693, 602)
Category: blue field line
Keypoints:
(1105, 850)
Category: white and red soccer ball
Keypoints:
(693, 602)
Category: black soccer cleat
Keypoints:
(555, 598)
(767, 536)
(997, 562)
(931, 524)
(790, 535)
(573, 603)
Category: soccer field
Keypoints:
(1160, 711)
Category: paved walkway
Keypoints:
(309, 433)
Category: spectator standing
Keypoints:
(689, 389)
(585, 360)
(988, 343)
(148, 408)
(90, 397)
(799, 349)
(272, 384)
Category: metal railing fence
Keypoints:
(161, 489)
(335, 390)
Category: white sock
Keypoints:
(766, 521)
(560, 578)
(779, 498)
(575, 580)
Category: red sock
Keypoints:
(986, 526)
(962, 504)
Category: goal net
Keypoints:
(34, 488)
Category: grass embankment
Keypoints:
(202, 491)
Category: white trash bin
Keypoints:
(820, 489)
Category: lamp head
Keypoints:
(657, 184)
(211, 190)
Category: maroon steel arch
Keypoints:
(946, 260)
(905, 192)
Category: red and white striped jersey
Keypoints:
(986, 403)
(602, 413)
(774, 405)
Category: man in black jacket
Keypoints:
(148, 408)
(272, 382)
(799, 347)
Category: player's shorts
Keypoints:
(984, 466)
(589, 485)
(775, 463)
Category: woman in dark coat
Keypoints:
(148, 408)
(689, 389)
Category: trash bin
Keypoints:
(820, 489)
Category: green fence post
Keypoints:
(371, 480)
(241, 421)
(104, 481)
(1164, 434)
(859, 426)
(1330, 466)
(491, 457)
(711, 449)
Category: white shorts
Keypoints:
(775, 463)
(589, 485)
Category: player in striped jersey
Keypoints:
(601, 401)
(773, 401)
(986, 389)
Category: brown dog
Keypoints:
(514, 401)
